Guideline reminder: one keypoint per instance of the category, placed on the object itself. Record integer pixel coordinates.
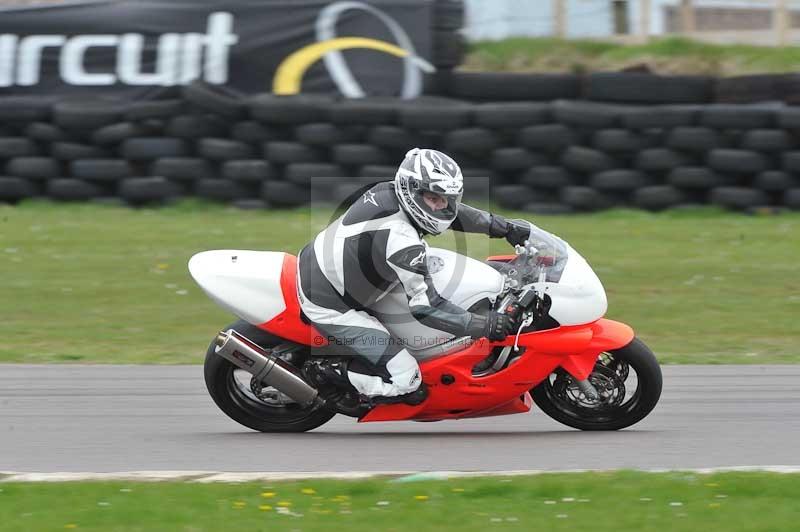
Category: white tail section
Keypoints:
(247, 283)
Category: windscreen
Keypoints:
(549, 258)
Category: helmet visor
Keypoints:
(440, 206)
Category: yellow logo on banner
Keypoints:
(289, 75)
(290, 72)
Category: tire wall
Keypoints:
(544, 149)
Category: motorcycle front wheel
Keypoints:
(628, 382)
(264, 410)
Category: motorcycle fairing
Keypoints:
(258, 286)
(575, 348)
(288, 323)
(241, 281)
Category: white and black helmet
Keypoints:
(425, 170)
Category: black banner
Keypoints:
(134, 47)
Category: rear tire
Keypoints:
(565, 409)
(242, 406)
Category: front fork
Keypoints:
(588, 389)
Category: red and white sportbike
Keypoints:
(582, 370)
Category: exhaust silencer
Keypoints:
(267, 368)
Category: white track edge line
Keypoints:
(221, 476)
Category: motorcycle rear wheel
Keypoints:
(558, 395)
(239, 402)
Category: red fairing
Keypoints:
(288, 324)
(575, 348)
(607, 335)
(501, 258)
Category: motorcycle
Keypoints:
(579, 368)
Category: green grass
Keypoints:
(600, 502)
(99, 284)
(672, 55)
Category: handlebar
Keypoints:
(523, 300)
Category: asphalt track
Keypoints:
(153, 418)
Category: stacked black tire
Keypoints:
(448, 46)
(658, 157)
(541, 156)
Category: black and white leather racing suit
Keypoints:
(356, 260)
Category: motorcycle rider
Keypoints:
(377, 243)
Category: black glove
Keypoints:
(493, 326)
(517, 232)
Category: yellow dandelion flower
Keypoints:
(284, 504)
(268, 494)
(239, 504)
(162, 266)
(308, 491)
(265, 507)
(421, 497)
(457, 490)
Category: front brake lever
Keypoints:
(527, 321)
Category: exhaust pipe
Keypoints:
(267, 368)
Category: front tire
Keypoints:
(559, 397)
(239, 402)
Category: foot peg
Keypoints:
(343, 403)
(414, 398)
(358, 406)
(329, 372)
